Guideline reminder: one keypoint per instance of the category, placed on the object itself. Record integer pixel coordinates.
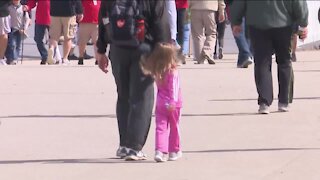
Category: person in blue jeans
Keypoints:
(244, 56)
(42, 23)
(19, 24)
(243, 43)
(186, 39)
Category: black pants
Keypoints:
(221, 27)
(135, 97)
(181, 18)
(264, 43)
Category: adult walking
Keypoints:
(88, 27)
(181, 6)
(4, 29)
(42, 23)
(243, 43)
(135, 90)
(270, 29)
(203, 27)
(64, 17)
(221, 27)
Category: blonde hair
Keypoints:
(162, 59)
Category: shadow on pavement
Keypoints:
(76, 161)
(252, 150)
(255, 99)
(60, 116)
(114, 116)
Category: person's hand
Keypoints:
(222, 17)
(236, 29)
(303, 33)
(25, 8)
(103, 62)
(79, 17)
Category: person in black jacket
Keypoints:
(4, 29)
(64, 17)
(270, 34)
(135, 90)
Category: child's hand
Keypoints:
(171, 107)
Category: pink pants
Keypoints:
(167, 130)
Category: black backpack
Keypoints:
(127, 24)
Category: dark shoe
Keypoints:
(43, 62)
(72, 57)
(86, 56)
(215, 56)
(203, 59)
(80, 62)
(135, 155)
(220, 53)
(210, 61)
(96, 63)
(89, 43)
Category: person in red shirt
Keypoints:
(88, 27)
(182, 6)
(42, 23)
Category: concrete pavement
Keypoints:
(58, 123)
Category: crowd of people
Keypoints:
(146, 40)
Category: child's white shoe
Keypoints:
(3, 61)
(160, 157)
(173, 156)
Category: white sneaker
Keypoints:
(122, 152)
(50, 59)
(65, 62)
(133, 155)
(263, 109)
(283, 107)
(173, 156)
(3, 62)
(160, 157)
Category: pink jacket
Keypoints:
(169, 90)
(43, 11)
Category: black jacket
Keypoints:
(154, 27)
(65, 8)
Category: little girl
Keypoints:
(161, 64)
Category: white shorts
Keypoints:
(5, 25)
